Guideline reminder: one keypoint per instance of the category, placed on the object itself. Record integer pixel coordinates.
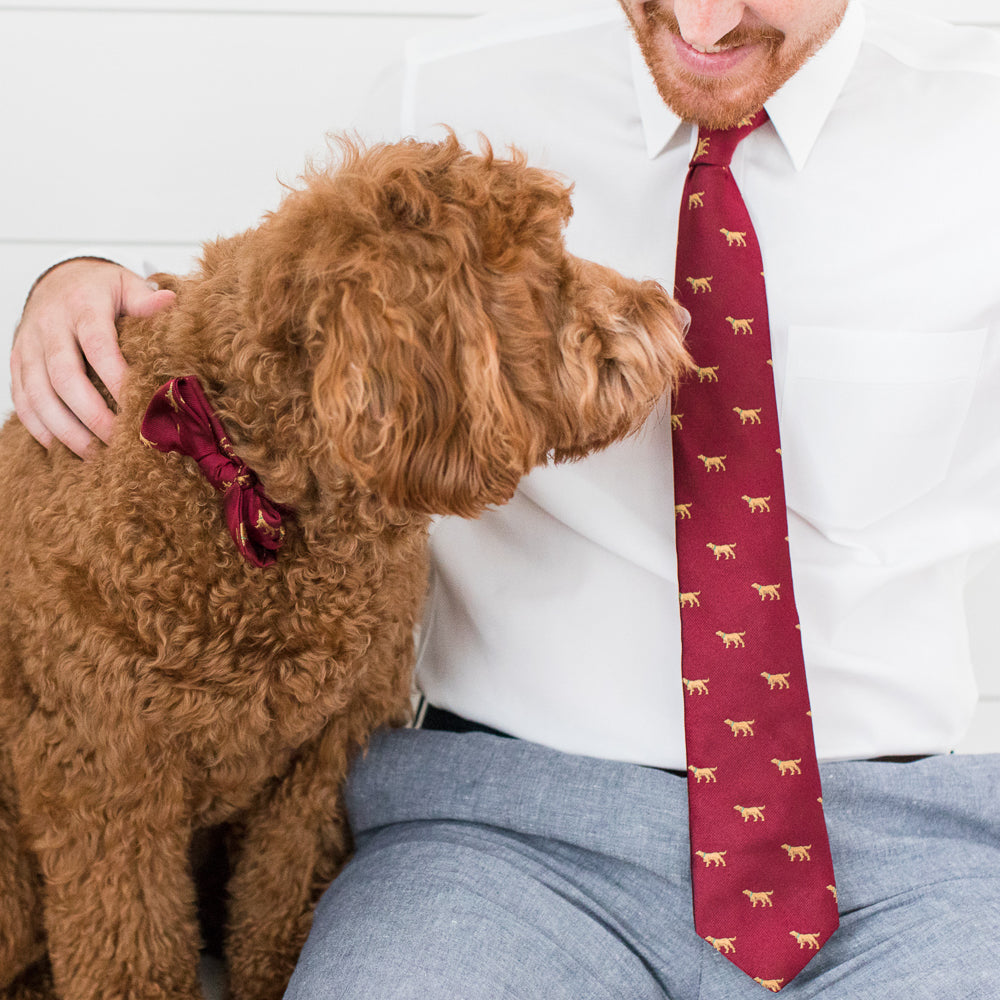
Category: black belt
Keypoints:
(444, 721)
(448, 722)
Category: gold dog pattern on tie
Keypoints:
(761, 868)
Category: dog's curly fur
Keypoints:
(405, 335)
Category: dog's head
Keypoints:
(453, 343)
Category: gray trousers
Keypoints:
(490, 868)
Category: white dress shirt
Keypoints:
(874, 195)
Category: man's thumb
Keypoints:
(139, 299)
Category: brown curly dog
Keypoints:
(405, 335)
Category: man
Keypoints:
(544, 851)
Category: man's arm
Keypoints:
(69, 317)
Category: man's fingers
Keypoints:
(35, 427)
(99, 343)
(98, 340)
(71, 406)
(28, 417)
(47, 418)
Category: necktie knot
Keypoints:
(716, 146)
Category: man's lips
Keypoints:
(716, 62)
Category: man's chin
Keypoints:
(715, 107)
(716, 115)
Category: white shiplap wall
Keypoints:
(143, 127)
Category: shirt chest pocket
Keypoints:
(870, 419)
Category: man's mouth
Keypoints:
(712, 49)
(713, 60)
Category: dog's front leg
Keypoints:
(296, 841)
(111, 838)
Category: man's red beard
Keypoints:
(721, 102)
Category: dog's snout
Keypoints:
(625, 293)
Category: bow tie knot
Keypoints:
(180, 418)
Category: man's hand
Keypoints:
(70, 315)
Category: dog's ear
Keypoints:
(415, 405)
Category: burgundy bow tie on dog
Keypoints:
(762, 876)
(180, 418)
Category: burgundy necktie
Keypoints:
(762, 877)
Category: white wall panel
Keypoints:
(960, 11)
(171, 126)
(419, 8)
(963, 11)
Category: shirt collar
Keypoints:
(797, 111)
